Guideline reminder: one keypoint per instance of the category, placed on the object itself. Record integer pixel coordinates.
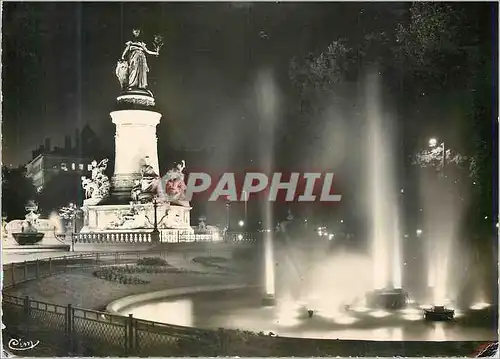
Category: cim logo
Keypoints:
(287, 187)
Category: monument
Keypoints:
(136, 196)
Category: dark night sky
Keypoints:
(59, 61)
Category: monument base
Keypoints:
(135, 217)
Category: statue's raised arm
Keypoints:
(132, 68)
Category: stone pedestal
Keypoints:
(139, 217)
(135, 139)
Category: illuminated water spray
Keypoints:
(267, 106)
(385, 231)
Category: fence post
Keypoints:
(130, 335)
(69, 328)
(25, 271)
(26, 312)
(37, 268)
(222, 342)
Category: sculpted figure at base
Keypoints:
(97, 187)
(147, 188)
(132, 69)
(133, 218)
(174, 186)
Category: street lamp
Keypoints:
(70, 213)
(228, 214)
(155, 234)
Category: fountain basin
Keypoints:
(24, 239)
(241, 308)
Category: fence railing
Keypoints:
(15, 273)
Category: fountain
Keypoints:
(29, 234)
(318, 293)
(267, 105)
(385, 233)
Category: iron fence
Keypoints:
(15, 273)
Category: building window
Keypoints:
(89, 167)
(73, 166)
(64, 167)
(80, 166)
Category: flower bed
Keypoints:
(124, 273)
(152, 261)
(114, 274)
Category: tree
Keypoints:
(64, 188)
(17, 190)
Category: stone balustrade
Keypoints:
(113, 237)
(166, 236)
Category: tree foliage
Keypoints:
(436, 48)
(62, 189)
(17, 190)
(318, 75)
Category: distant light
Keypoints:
(432, 142)
(485, 217)
(330, 236)
(241, 223)
(240, 237)
(402, 190)
(341, 221)
(305, 220)
(419, 232)
(407, 235)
